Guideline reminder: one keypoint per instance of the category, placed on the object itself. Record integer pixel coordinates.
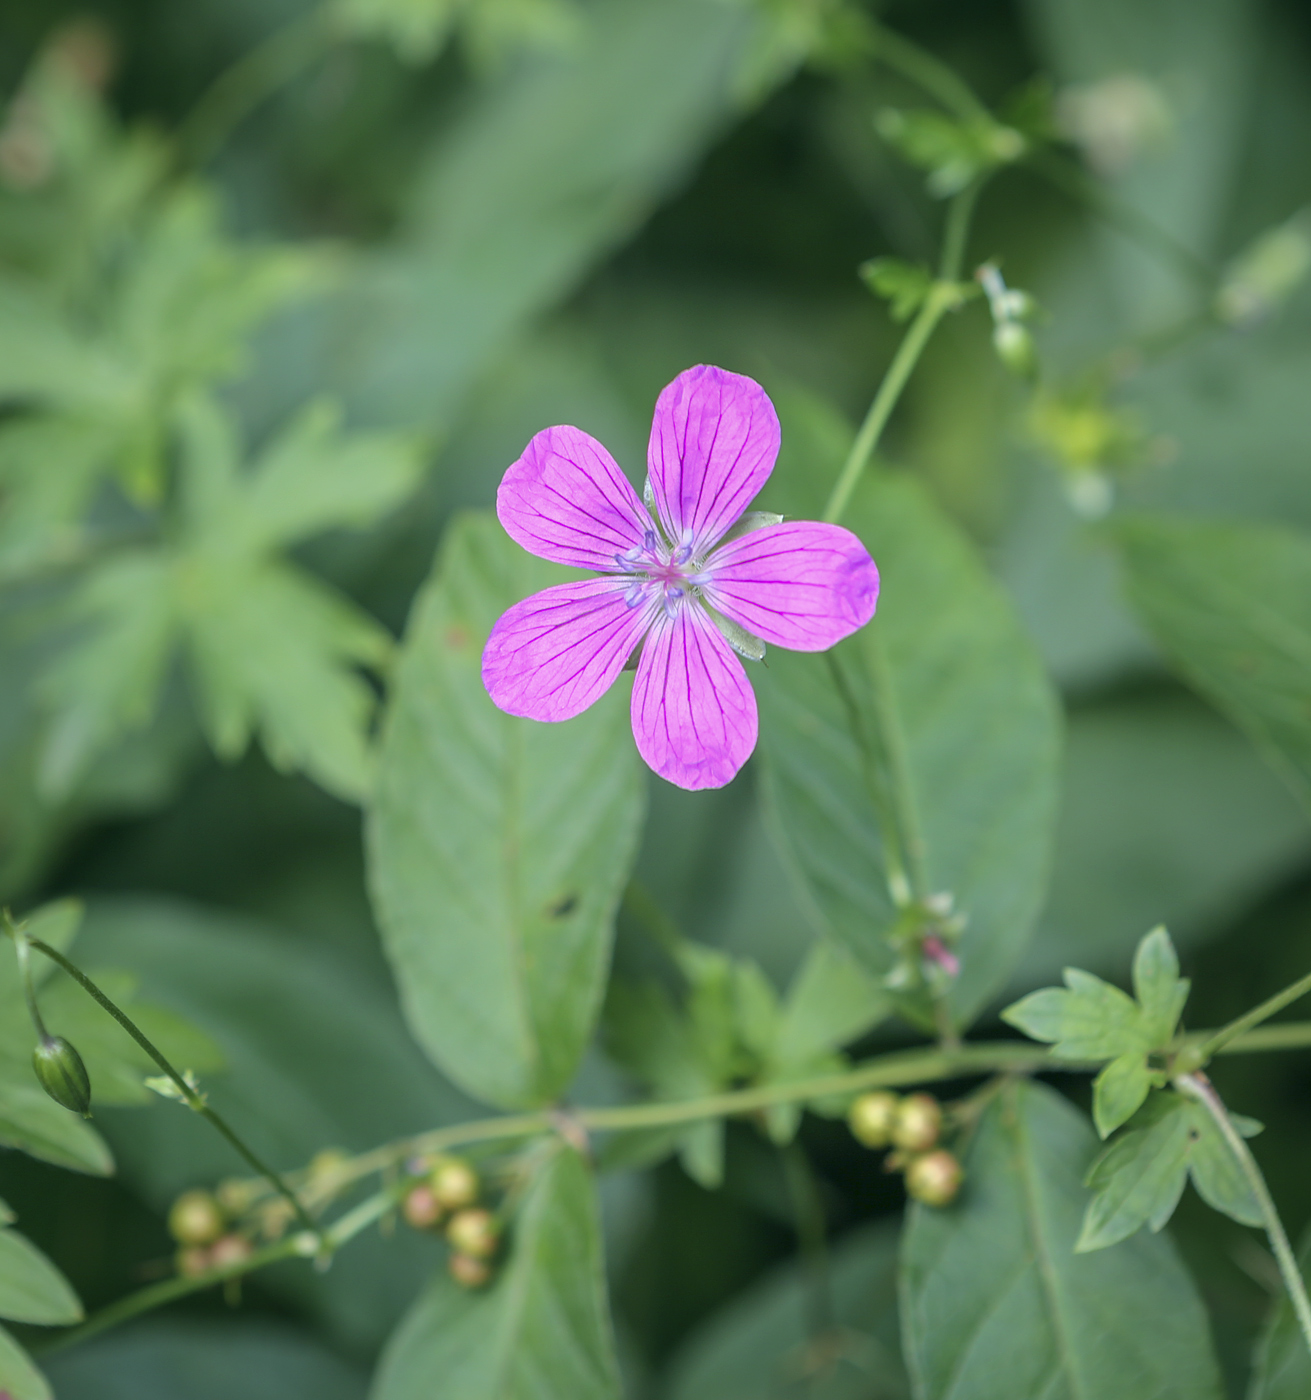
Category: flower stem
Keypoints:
(926, 71)
(1199, 1087)
(251, 80)
(189, 1095)
(1254, 1017)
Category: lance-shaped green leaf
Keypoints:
(31, 1288)
(1093, 1020)
(541, 1331)
(1231, 605)
(1138, 1180)
(499, 847)
(929, 742)
(19, 1378)
(995, 1302)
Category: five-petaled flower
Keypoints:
(678, 589)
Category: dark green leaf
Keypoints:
(540, 1332)
(997, 1305)
(520, 834)
(970, 728)
(31, 1288)
(1283, 1366)
(1231, 605)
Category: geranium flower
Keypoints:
(705, 584)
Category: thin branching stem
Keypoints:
(1242, 1024)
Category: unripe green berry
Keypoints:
(919, 1121)
(871, 1117)
(473, 1232)
(62, 1074)
(469, 1272)
(934, 1178)
(421, 1208)
(193, 1261)
(454, 1183)
(195, 1218)
(230, 1250)
(1015, 348)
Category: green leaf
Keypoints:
(967, 729)
(1282, 1365)
(831, 1002)
(997, 1305)
(759, 1346)
(952, 151)
(1119, 1091)
(520, 834)
(1138, 1179)
(1231, 605)
(541, 1331)
(1160, 991)
(31, 1288)
(904, 285)
(18, 1377)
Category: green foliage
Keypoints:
(520, 834)
(1231, 605)
(31, 1288)
(954, 152)
(904, 285)
(951, 786)
(1138, 1180)
(1283, 1368)
(997, 1304)
(542, 1329)
(17, 1374)
(419, 29)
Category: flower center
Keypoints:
(655, 563)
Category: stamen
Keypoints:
(635, 593)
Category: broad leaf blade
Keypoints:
(1231, 605)
(969, 728)
(19, 1379)
(31, 1288)
(995, 1302)
(1283, 1367)
(540, 1332)
(499, 847)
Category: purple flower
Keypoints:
(679, 589)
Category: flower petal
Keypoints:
(694, 712)
(558, 652)
(565, 499)
(800, 584)
(714, 439)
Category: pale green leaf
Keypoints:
(19, 1378)
(1231, 605)
(31, 1288)
(1160, 991)
(965, 732)
(1092, 1020)
(499, 847)
(831, 1002)
(1119, 1091)
(1282, 1364)
(1139, 1179)
(541, 1331)
(997, 1305)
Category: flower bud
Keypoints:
(421, 1208)
(193, 1261)
(934, 1179)
(1015, 349)
(469, 1272)
(454, 1183)
(195, 1218)
(62, 1074)
(872, 1116)
(919, 1121)
(228, 1251)
(473, 1232)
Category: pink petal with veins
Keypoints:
(694, 712)
(799, 585)
(558, 652)
(566, 500)
(714, 439)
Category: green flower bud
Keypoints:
(1015, 349)
(454, 1183)
(62, 1074)
(872, 1116)
(919, 1121)
(473, 1232)
(934, 1179)
(195, 1218)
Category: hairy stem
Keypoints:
(1199, 1087)
(252, 80)
(189, 1095)
(1215, 1043)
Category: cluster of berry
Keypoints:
(911, 1126)
(204, 1234)
(445, 1196)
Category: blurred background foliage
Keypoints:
(449, 224)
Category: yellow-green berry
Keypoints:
(919, 1121)
(934, 1178)
(469, 1272)
(871, 1117)
(473, 1232)
(454, 1182)
(228, 1251)
(421, 1208)
(196, 1218)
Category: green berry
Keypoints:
(473, 1232)
(871, 1118)
(421, 1208)
(919, 1121)
(934, 1178)
(454, 1183)
(62, 1074)
(196, 1218)
(469, 1272)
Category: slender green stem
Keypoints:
(929, 73)
(812, 1236)
(21, 951)
(1254, 1017)
(251, 80)
(1287, 1035)
(957, 231)
(189, 1095)
(1199, 1087)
